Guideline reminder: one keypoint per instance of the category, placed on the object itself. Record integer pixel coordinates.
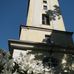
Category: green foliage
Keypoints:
(25, 64)
(2, 60)
(57, 9)
(53, 13)
(5, 62)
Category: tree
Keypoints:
(29, 64)
(5, 62)
(53, 13)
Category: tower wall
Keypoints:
(36, 9)
(34, 34)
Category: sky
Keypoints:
(13, 14)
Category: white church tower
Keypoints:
(43, 37)
(37, 15)
(39, 12)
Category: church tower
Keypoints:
(43, 37)
(42, 14)
(37, 14)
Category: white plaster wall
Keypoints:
(33, 35)
(37, 13)
(34, 16)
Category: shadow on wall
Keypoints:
(60, 38)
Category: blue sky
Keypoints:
(13, 13)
